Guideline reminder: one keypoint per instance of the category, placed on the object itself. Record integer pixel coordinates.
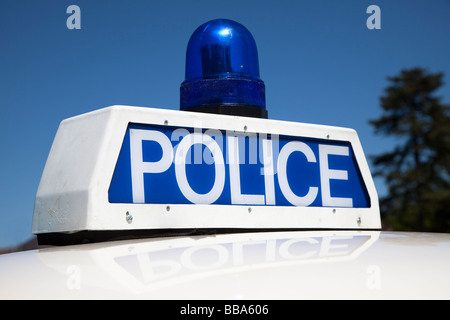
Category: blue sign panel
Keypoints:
(173, 165)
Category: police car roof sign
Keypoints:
(133, 168)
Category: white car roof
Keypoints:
(274, 265)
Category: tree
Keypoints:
(417, 171)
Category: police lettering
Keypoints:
(225, 154)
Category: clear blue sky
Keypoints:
(319, 61)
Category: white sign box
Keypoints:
(134, 168)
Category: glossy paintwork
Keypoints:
(277, 265)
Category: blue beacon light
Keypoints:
(222, 72)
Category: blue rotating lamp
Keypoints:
(222, 72)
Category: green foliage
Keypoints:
(417, 171)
